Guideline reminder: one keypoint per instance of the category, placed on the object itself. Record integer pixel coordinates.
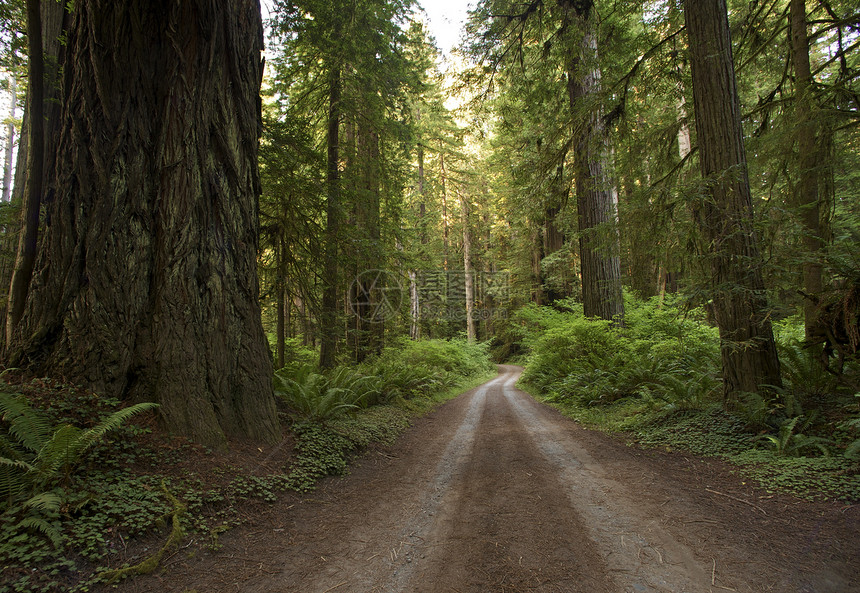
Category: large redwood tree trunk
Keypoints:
(599, 245)
(725, 214)
(146, 281)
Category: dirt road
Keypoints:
(494, 492)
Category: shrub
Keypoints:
(663, 353)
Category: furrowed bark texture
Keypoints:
(599, 242)
(146, 284)
(54, 20)
(25, 259)
(725, 214)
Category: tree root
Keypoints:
(149, 564)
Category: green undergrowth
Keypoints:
(657, 380)
(324, 448)
(134, 495)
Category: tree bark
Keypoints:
(28, 238)
(598, 243)
(467, 270)
(444, 181)
(369, 311)
(10, 143)
(328, 314)
(147, 283)
(54, 22)
(280, 289)
(808, 200)
(725, 215)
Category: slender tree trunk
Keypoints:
(25, 261)
(685, 144)
(280, 331)
(414, 303)
(370, 313)
(444, 180)
(10, 143)
(467, 270)
(725, 216)
(414, 307)
(536, 241)
(599, 244)
(54, 20)
(20, 181)
(147, 283)
(328, 314)
(811, 160)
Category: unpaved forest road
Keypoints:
(494, 492)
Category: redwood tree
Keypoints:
(810, 161)
(596, 199)
(725, 212)
(146, 282)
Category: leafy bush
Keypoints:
(573, 345)
(663, 353)
(406, 370)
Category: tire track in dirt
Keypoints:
(494, 492)
(643, 556)
(506, 524)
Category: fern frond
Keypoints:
(61, 451)
(39, 524)
(112, 422)
(13, 479)
(29, 426)
(44, 501)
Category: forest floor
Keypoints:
(494, 492)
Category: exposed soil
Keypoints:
(494, 492)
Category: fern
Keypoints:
(44, 501)
(312, 396)
(790, 443)
(37, 454)
(27, 425)
(34, 522)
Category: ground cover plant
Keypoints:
(123, 495)
(657, 379)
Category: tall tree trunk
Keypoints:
(808, 200)
(414, 296)
(553, 237)
(414, 306)
(147, 282)
(467, 270)
(599, 244)
(536, 241)
(10, 143)
(368, 309)
(328, 314)
(54, 19)
(28, 238)
(280, 281)
(725, 216)
(444, 181)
